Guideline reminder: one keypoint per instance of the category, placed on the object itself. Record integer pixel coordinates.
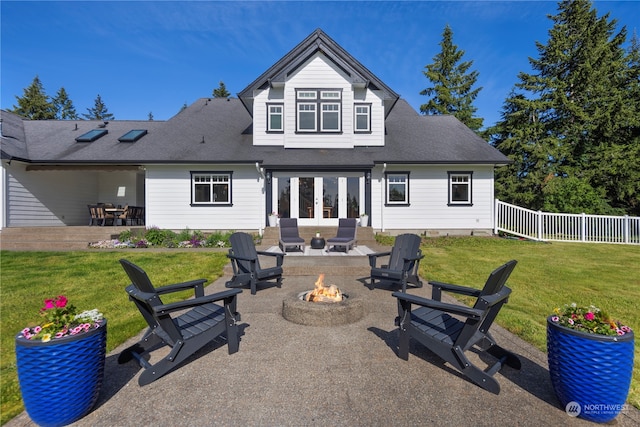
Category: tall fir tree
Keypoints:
(35, 104)
(221, 91)
(566, 115)
(64, 106)
(453, 84)
(99, 111)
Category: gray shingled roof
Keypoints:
(12, 139)
(220, 131)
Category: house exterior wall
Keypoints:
(168, 199)
(318, 73)
(57, 198)
(428, 208)
(48, 198)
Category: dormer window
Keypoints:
(362, 118)
(319, 110)
(275, 117)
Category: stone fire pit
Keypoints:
(295, 309)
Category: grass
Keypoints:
(547, 276)
(89, 279)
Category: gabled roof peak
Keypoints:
(318, 41)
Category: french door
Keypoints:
(318, 199)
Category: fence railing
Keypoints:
(545, 226)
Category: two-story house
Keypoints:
(315, 137)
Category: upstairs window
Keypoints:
(362, 118)
(210, 188)
(307, 117)
(460, 188)
(330, 117)
(319, 110)
(397, 188)
(275, 117)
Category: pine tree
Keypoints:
(64, 106)
(99, 111)
(35, 103)
(453, 83)
(221, 91)
(570, 112)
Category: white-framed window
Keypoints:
(211, 188)
(330, 94)
(319, 110)
(275, 119)
(330, 119)
(307, 117)
(362, 117)
(460, 188)
(397, 188)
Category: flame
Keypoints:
(324, 293)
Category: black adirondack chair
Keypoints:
(289, 235)
(346, 235)
(203, 323)
(403, 263)
(246, 265)
(433, 325)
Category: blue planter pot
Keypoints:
(590, 373)
(60, 380)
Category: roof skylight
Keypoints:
(92, 135)
(133, 135)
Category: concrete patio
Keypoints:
(287, 374)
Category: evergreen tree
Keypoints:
(570, 115)
(452, 91)
(35, 103)
(221, 91)
(99, 111)
(64, 106)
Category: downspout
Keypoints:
(384, 169)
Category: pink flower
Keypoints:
(48, 303)
(555, 318)
(589, 316)
(61, 301)
(571, 322)
(60, 334)
(619, 332)
(37, 329)
(26, 331)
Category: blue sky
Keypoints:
(155, 56)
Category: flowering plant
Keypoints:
(61, 320)
(588, 319)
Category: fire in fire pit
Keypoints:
(324, 293)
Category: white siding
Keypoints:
(48, 198)
(318, 73)
(168, 205)
(428, 198)
(53, 198)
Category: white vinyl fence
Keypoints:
(545, 226)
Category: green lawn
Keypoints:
(547, 275)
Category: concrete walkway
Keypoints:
(287, 374)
